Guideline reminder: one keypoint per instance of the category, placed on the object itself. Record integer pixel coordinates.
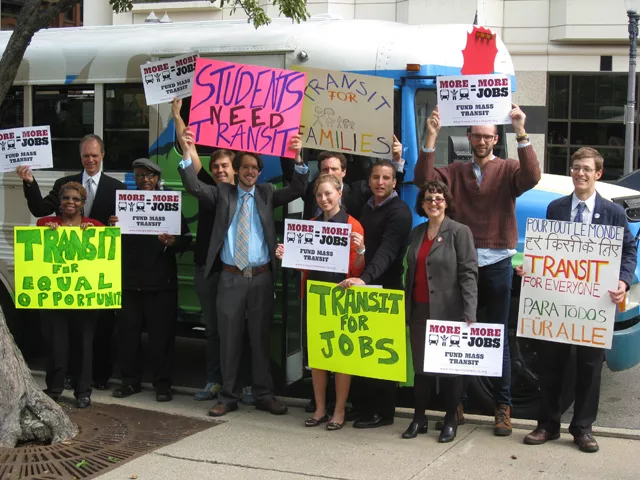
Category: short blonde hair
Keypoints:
(588, 152)
(327, 178)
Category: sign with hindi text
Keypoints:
(456, 348)
(143, 212)
(246, 107)
(348, 113)
(358, 330)
(322, 246)
(569, 267)
(67, 268)
(25, 146)
(169, 78)
(474, 100)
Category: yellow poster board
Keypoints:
(359, 331)
(67, 268)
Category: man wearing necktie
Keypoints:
(584, 205)
(100, 204)
(244, 234)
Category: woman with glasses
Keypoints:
(440, 284)
(60, 325)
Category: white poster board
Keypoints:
(321, 246)
(348, 113)
(142, 212)
(458, 349)
(169, 78)
(569, 269)
(28, 146)
(474, 100)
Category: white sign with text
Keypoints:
(142, 212)
(28, 146)
(169, 78)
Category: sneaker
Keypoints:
(209, 392)
(247, 396)
(502, 426)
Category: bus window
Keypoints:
(126, 126)
(69, 112)
(12, 113)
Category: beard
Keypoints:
(488, 152)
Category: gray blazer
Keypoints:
(224, 198)
(452, 270)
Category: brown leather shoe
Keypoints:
(272, 406)
(540, 436)
(220, 409)
(459, 417)
(502, 426)
(586, 443)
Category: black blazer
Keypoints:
(605, 212)
(104, 203)
(224, 198)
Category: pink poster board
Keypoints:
(246, 107)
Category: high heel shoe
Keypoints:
(448, 433)
(414, 429)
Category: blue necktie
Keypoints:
(580, 208)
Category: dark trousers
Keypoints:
(553, 357)
(58, 327)
(494, 293)
(372, 396)
(245, 304)
(450, 388)
(102, 346)
(157, 311)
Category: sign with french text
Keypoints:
(348, 113)
(570, 267)
(246, 107)
(357, 331)
(149, 212)
(67, 268)
(456, 348)
(465, 100)
(25, 146)
(169, 78)
(322, 246)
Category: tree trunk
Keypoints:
(26, 412)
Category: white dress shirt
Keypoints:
(587, 213)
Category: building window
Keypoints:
(69, 113)
(587, 110)
(126, 126)
(12, 112)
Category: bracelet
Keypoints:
(524, 136)
(361, 252)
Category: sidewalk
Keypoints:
(255, 445)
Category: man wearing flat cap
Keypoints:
(149, 297)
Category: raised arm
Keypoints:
(467, 260)
(300, 178)
(425, 170)
(181, 129)
(526, 174)
(197, 188)
(38, 206)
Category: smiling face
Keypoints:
(248, 172)
(381, 182)
(584, 175)
(482, 139)
(328, 196)
(434, 205)
(71, 202)
(145, 178)
(92, 156)
(222, 170)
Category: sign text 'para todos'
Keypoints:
(569, 269)
(357, 331)
(246, 107)
(67, 268)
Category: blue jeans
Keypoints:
(494, 293)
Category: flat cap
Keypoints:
(148, 164)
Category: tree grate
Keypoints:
(110, 435)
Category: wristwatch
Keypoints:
(361, 252)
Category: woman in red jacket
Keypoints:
(328, 192)
(58, 323)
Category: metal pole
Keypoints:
(629, 112)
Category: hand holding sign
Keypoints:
(617, 296)
(396, 150)
(167, 240)
(433, 128)
(517, 119)
(295, 144)
(351, 282)
(25, 174)
(280, 251)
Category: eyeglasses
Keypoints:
(436, 200)
(253, 168)
(67, 198)
(148, 176)
(587, 170)
(476, 137)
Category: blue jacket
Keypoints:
(609, 214)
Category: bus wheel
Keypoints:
(525, 387)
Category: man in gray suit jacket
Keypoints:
(245, 236)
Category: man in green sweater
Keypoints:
(485, 192)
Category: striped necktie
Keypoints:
(578, 217)
(88, 204)
(242, 235)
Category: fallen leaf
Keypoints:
(133, 476)
(81, 464)
(513, 457)
(113, 459)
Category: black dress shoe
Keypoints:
(414, 429)
(83, 402)
(101, 385)
(272, 406)
(220, 409)
(373, 422)
(448, 433)
(69, 383)
(126, 391)
(164, 395)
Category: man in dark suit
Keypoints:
(100, 205)
(245, 236)
(584, 205)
